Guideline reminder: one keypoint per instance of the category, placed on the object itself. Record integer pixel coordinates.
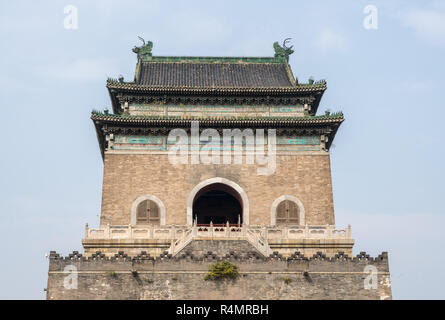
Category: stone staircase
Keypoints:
(223, 234)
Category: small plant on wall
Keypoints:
(287, 280)
(221, 271)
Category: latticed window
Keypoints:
(147, 213)
(287, 213)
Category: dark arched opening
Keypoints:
(219, 204)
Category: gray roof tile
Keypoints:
(227, 75)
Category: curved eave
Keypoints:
(309, 88)
(140, 121)
(99, 134)
(297, 90)
(243, 122)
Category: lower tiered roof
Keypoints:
(145, 124)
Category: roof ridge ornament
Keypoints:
(144, 51)
(283, 51)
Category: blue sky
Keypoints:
(387, 161)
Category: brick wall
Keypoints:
(142, 277)
(128, 176)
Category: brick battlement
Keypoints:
(188, 261)
(121, 256)
(182, 276)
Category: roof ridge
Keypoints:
(218, 57)
(215, 60)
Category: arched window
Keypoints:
(147, 213)
(287, 213)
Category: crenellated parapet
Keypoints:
(209, 256)
(165, 276)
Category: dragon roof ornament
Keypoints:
(283, 51)
(144, 51)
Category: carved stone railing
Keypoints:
(217, 231)
(302, 232)
(136, 232)
(179, 244)
(181, 236)
(220, 231)
(259, 243)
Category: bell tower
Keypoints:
(221, 154)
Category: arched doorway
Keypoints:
(224, 185)
(218, 203)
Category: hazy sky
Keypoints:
(387, 163)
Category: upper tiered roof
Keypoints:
(213, 72)
(217, 74)
(180, 82)
(269, 80)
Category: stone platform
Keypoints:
(182, 276)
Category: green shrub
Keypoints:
(287, 280)
(221, 271)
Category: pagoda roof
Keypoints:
(181, 80)
(139, 124)
(167, 76)
(217, 74)
(210, 72)
(242, 121)
(290, 90)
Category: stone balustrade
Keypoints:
(217, 231)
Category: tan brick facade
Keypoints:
(128, 176)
